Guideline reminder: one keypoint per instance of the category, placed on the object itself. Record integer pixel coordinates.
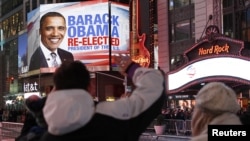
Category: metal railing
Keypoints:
(175, 126)
(10, 130)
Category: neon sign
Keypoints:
(216, 49)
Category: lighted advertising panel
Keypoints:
(22, 53)
(87, 34)
(218, 67)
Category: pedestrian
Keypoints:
(52, 31)
(34, 125)
(216, 104)
(245, 116)
(71, 114)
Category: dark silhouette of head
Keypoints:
(72, 75)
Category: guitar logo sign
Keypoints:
(139, 53)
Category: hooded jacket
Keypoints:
(72, 114)
(223, 119)
(218, 100)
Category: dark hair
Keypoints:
(50, 14)
(72, 75)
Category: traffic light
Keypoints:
(12, 80)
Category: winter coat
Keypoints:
(72, 114)
(223, 119)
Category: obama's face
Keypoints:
(52, 32)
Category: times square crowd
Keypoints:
(7, 115)
(185, 113)
(179, 113)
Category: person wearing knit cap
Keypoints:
(34, 125)
(71, 114)
(216, 104)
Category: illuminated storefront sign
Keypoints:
(139, 53)
(26, 95)
(30, 87)
(142, 60)
(221, 46)
(215, 49)
(221, 66)
(214, 58)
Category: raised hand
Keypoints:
(122, 62)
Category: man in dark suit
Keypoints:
(52, 31)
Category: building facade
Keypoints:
(187, 27)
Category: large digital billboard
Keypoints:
(86, 35)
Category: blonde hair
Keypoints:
(200, 120)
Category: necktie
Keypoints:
(54, 62)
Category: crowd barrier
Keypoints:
(175, 126)
(165, 137)
(10, 130)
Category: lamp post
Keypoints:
(110, 45)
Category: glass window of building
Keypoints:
(18, 21)
(16, 3)
(10, 51)
(182, 30)
(12, 25)
(5, 28)
(9, 5)
(42, 1)
(182, 25)
(245, 25)
(181, 3)
(172, 38)
(50, 1)
(227, 3)
(228, 25)
(34, 4)
(242, 25)
(236, 19)
(27, 9)
(193, 28)
(247, 17)
(171, 4)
